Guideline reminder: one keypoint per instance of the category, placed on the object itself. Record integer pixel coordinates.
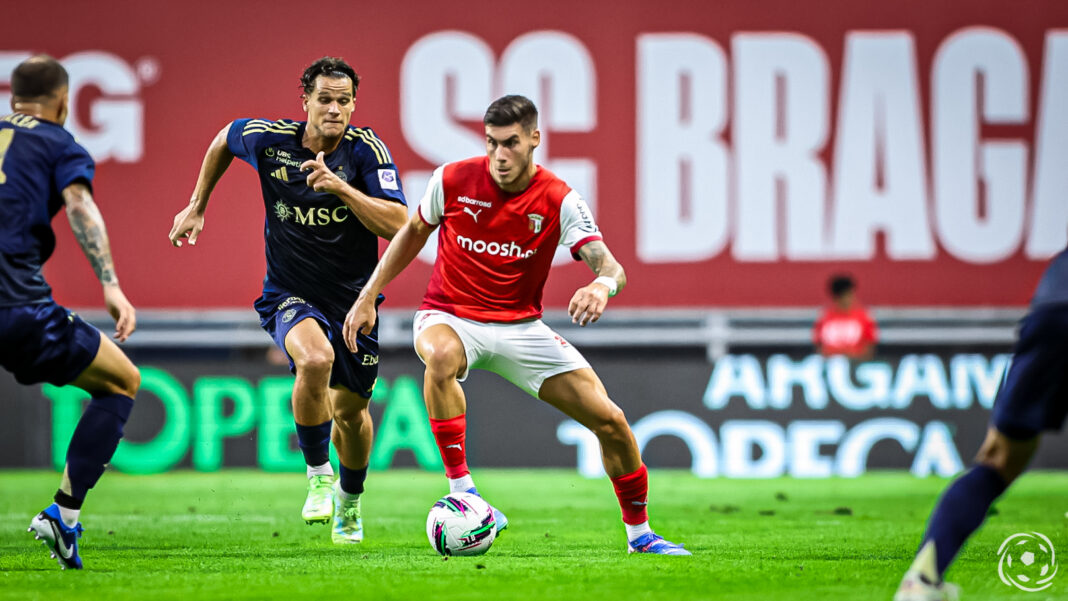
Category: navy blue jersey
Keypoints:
(316, 247)
(1052, 289)
(38, 159)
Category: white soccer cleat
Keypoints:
(915, 587)
(921, 581)
(319, 506)
(348, 524)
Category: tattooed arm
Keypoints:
(590, 301)
(88, 227)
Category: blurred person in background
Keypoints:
(844, 327)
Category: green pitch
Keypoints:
(238, 535)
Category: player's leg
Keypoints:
(442, 351)
(353, 435)
(78, 354)
(112, 381)
(1033, 398)
(448, 347)
(313, 357)
(581, 396)
(961, 510)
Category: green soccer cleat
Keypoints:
(348, 525)
(319, 506)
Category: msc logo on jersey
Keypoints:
(311, 216)
(282, 211)
(535, 222)
(280, 174)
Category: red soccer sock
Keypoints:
(449, 434)
(632, 490)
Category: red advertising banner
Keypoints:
(735, 153)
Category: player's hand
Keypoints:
(588, 303)
(187, 224)
(321, 178)
(361, 318)
(121, 311)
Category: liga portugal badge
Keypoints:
(535, 222)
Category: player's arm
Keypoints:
(189, 222)
(88, 226)
(409, 240)
(590, 301)
(383, 217)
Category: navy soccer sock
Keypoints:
(314, 442)
(94, 441)
(351, 481)
(961, 511)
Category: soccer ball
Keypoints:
(461, 523)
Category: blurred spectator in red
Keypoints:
(844, 327)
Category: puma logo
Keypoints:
(472, 213)
(454, 446)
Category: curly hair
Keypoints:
(328, 66)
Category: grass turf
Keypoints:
(237, 534)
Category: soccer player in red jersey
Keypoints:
(501, 217)
(845, 328)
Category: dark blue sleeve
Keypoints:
(242, 139)
(74, 165)
(377, 171)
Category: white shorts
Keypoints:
(525, 354)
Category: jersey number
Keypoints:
(6, 135)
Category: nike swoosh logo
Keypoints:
(454, 446)
(639, 502)
(64, 551)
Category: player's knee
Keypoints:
(612, 426)
(443, 363)
(126, 380)
(351, 417)
(131, 381)
(315, 362)
(1007, 457)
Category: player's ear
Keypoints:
(63, 106)
(304, 102)
(535, 138)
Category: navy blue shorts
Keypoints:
(1034, 395)
(280, 311)
(43, 342)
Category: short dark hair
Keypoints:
(510, 109)
(840, 284)
(328, 66)
(39, 76)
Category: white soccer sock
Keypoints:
(461, 484)
(344, 497)
(69, 516)
(321, 470)
(634, 532)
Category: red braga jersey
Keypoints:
(495, 248)
(839, 332)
